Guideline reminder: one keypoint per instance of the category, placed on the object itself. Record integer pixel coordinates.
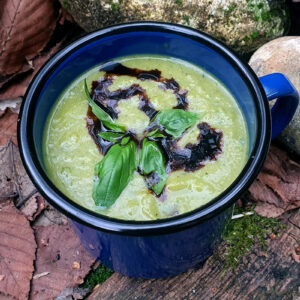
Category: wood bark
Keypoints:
(259, 275)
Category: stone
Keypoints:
(243, 25)
(282, 55)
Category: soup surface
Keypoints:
(194, 174)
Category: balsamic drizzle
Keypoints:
(192, 157)
(109, 100)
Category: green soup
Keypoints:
(70, 153)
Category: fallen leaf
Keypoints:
(58, 248)
(6, 297)
(14, 181)
(64, 15)
(30, 208)
(51, 216)
(10, 103)
(277, 188)
(26, 27)
(7, 185)
(4, 79)
(33, 207)
(8, 126)
(25, 187)
(19, 85)
(42, 204)
(17, 253)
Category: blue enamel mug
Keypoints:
(165, 247)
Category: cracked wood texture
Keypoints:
(275, 275)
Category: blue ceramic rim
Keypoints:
(160, 226)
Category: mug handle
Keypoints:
(276, 85)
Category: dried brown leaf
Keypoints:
(42, 204)
(51, 216)
(26, 27)
(277, 188)
(19, 85)
(4, 79)
(64, 15)
(25, 187)
(33, 207)
(6, 297)
(17, 253)
(30, 208)
(8, 126)
(14, 181)
(58, 248)
(7, 185)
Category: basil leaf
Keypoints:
(155, 134)
(114, 126)
(98, 112)
(101, 114)
(111, 136)
(125, 140)
(176, 121)
(152, 163)
(114, 173)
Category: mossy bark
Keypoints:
(259, 275)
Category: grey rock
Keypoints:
(282, 55)
(244, 25)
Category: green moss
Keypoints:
(261, 13)
(241, 234)
(231, 8)
(260, 5)
(97, 276)
(254, 35)
(178, 2)
(281, 27)
(266, 15)
(66, 4)
(186, 20)
(115, 6)
(246, 38)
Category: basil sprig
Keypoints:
(103, 116)
(152, 162)
(115, 170)
(176, 121)
(113, 137)
(155, 134)
(113, 173)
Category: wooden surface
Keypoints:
(275, 275)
